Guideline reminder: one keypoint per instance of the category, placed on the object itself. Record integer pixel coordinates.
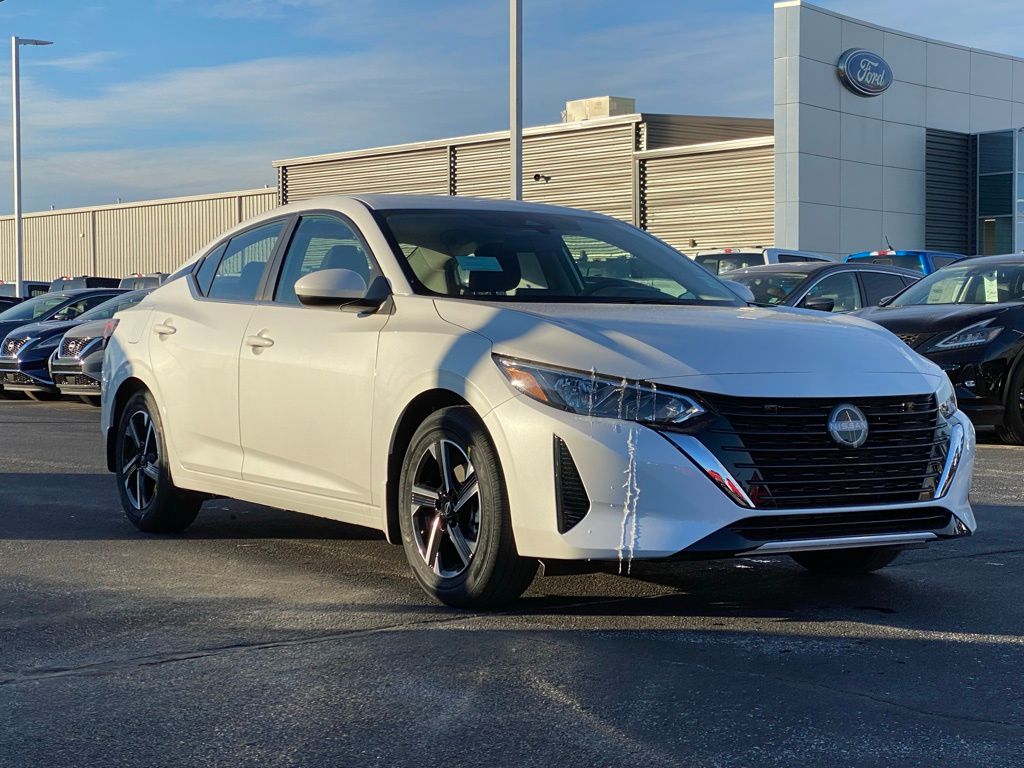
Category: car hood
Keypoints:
(43, 330)
(742, 351)
(932, 318)
(89, 330)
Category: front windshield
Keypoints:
(544, 257)
(967, 284)
(39, 307)
(108, 309)
(770, 287)
(722, 264)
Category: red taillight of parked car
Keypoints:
(108, 330)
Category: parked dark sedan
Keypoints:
(829, 287)
(76, 365)
(969, 319)
(37, 325)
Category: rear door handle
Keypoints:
(164, 329)
(259, 341)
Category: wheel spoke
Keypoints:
(434, 544)
(447, 480)
(152, 471)
(138, 489)
(469, 489)
(462, 547)
(134, 434)
(150, 435)
(130, 466)
(422, 496)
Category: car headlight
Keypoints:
(946, 398)
(975, 335)
(591, 394)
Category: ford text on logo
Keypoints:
(863, 72)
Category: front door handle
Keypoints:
(164, 329)
(259, 341)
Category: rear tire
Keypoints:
(1011, 431)
(93, 400)
(149, 499)
(454, 515)
(846, 562)
(43, 397)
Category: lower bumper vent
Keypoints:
(838, 524)
(571, 500)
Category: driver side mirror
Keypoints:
(819, 304)
(342, 288)
(740, 290)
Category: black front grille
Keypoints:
(74, 380)
(837, 524)
(571, 500)
(914, 340)
(17, 379)
(782, 454)
(11, 347)
(73, 347)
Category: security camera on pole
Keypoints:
(16, 130)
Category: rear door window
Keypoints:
(880, 285)
(245, 259)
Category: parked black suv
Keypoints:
(969, 319)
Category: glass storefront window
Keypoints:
(995, 194)
(995, 152)
(995, 235)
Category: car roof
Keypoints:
(1003, 258)
(73, 292)
(814, 267)
(382, 202)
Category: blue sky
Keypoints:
(151, 98)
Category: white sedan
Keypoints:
(497, 384)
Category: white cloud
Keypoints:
(84, 62)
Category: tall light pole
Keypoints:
(16, 99)
(515, 95)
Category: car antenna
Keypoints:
(887, 243)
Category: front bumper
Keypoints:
(74, 376)
(25, 376)
(649, 499)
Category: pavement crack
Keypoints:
(116, 666)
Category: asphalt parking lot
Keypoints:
(266, 638)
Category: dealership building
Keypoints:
(876, 136)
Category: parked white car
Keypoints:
(494, 384)
(730, 259)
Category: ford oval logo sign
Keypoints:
(863, 72)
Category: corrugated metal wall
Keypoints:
(116, 240)
(589, 167)
(422, 171)
(679, 130)
(717, 195)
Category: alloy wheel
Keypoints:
(140, 456)
(445, 507)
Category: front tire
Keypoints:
(846, 562)
(454, 515)
(1011, 431)
(149, 498)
